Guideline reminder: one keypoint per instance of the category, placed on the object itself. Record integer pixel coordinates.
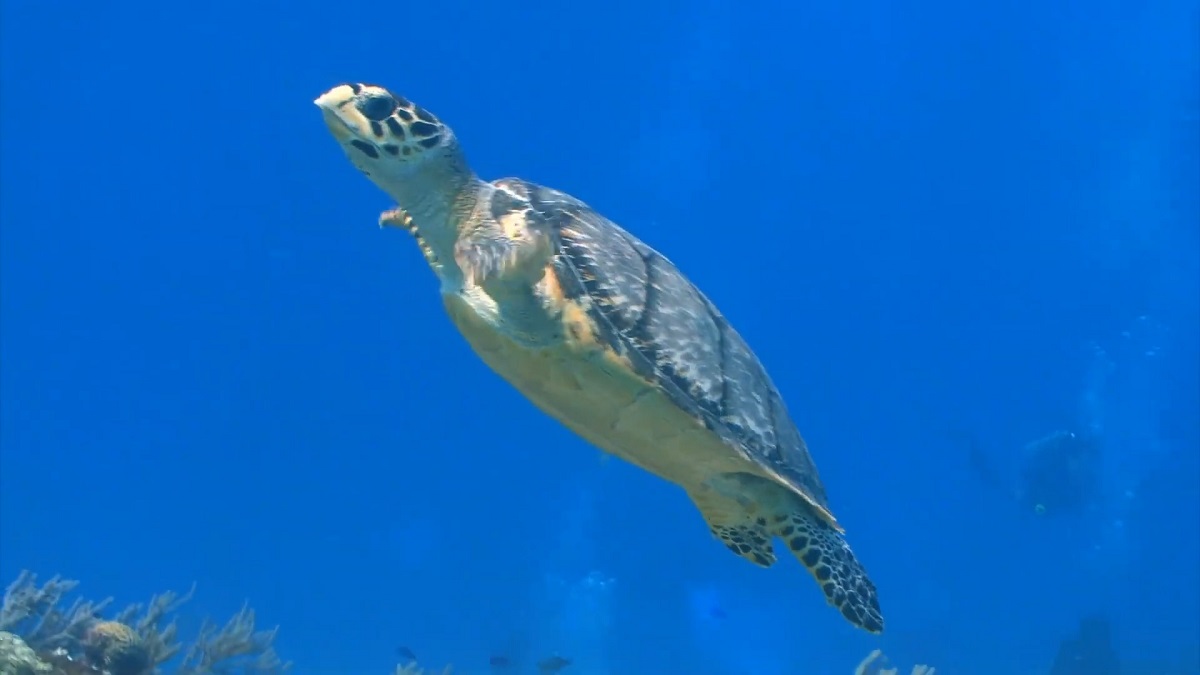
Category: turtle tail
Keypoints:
(828, 557)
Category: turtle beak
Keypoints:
(335, 98)
(338, 127)
(333, 105)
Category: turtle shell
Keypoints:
(648, 312)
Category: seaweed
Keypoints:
(137, 640)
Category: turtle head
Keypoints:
(387, 137)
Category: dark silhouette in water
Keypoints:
(1058, 474)
(1089, 652)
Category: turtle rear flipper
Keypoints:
(733, 526)
(777, 511)
(828, 557)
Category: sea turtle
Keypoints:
(606, 335)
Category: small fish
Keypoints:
(499, 661)
(406, 655)
(552, 665)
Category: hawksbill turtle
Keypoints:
(606, 335)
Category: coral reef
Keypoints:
(17, 658)
(876, 664)
(414, 669)
(41, 636)
(37, 634)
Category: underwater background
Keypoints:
(947, 229)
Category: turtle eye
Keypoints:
(377, 106)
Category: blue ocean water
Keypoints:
(932, 221)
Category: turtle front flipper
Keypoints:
(508, 243)
(489, 256)
(400, 218)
